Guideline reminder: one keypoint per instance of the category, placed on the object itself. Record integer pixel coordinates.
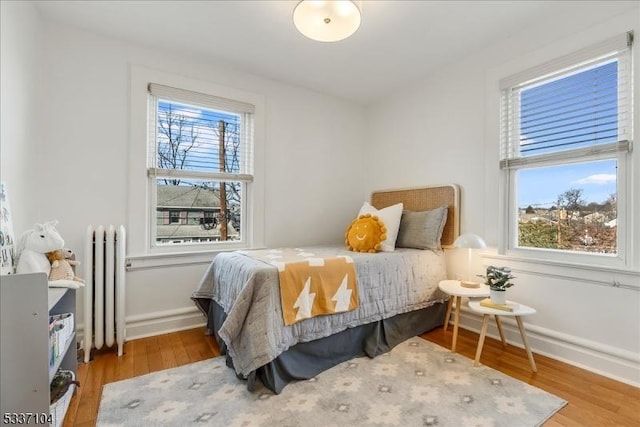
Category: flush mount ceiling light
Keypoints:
(327, 20)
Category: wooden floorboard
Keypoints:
(594, 400)
(166, 352)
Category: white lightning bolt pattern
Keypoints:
(316, 262)
(343, 296)
(304, 303)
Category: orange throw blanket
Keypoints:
(311, 285)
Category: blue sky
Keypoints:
(541, 187)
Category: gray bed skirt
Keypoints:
(308, 359)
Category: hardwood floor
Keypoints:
(594, 400)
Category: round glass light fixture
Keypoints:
(471, 241)
(327, 20)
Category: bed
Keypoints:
(398, 298)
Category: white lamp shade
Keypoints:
(471, 241)
(327, 20)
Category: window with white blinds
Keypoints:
(199, 164)
(565, 139)
(577, 105)
(197, 135)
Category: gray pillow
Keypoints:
(422, 230)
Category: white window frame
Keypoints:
(142, 209)
(508, 229)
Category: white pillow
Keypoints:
(390, 216)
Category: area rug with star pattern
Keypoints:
(418, 383)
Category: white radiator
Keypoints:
(104, 293)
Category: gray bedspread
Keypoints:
(247, 289)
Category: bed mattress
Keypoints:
(247, 290)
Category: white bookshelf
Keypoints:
(26, 303)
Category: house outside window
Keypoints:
(200, 167)
(566, 132)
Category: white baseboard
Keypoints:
(163, 322)
(620, 365)
(158, 323)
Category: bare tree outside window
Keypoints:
(571, 200)
(180, 136)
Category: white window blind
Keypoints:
(199, 136)
(572, 107)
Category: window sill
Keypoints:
(168, 260)
(586, 273)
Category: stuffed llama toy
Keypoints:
(62, 264)
(34, 244)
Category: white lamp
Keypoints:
(327, 20)
(469, 241)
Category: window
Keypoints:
(565, 152)
(199, 167)
(174, 210)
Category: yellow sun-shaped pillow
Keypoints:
(365, 234)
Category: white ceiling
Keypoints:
(398, 41)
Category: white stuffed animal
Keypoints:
(34, 244)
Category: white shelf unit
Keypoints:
(26, 304)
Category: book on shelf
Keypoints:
(61, 330)
(504, 307)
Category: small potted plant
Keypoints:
(498, 279)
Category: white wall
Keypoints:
(444, 129)
(82, 168)
(19, 68)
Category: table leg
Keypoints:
(448, 315)
(483, 332)
(499, 325)
(456, 322)
(526, 344)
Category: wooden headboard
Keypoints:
(426, 198)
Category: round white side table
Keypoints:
(519, 310)
(457, 291)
